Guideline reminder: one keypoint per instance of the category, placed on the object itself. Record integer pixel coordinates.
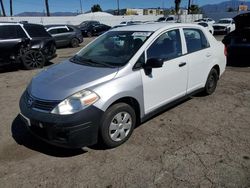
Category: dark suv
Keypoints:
(29, 44)
(237, 43)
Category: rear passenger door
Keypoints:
(198, 56)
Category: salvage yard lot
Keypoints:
(202, 142)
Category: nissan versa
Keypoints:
(119, 80)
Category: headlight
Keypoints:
(76, 102)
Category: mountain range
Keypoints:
(224, 6)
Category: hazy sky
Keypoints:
(74, 5)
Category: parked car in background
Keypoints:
(127, 23)
(65, 35)
(88, 22)
(169, 19)
(121, 79)
(237, 43)
(29, 44)
(94, 29)
(224, 26)
(207, 20)
(208, 26)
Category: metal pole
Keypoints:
(189, 4)
(3, 11)
(118, 7)
(81, 6)
(47, 7)
(11, 10)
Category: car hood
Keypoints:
(242, 21)
(62, 80)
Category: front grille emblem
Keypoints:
(30, 102)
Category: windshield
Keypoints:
(224, 21)
(115, 48)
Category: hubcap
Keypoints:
(211, 82)
(34, 59)
(120, 126)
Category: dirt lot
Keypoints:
(202, 142)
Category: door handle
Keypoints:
(208, 55)
(182, 64)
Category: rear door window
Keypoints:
(36, 31)
(195, 40)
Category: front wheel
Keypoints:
(117, 125)
(211, 83)
(33, 59)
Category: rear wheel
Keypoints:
(89, 34)
(211, 83)
(74, 42)
(33, 59)
(117, 125)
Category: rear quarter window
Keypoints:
(11, 32)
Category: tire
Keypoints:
(74, 42)
(33, 59)
(117, 125)
(211, 82)
(89, 34)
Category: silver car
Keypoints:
(119, 80)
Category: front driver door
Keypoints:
(169, 82)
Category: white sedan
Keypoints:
(122, 78)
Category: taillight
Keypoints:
(225, 50)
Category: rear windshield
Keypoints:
(36, 31)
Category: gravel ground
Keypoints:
(202, 142)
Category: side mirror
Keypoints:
(152, 63)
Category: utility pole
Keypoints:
(189, 5)
(3, 11)
(11, 9)
(118, 7)
(81, 6)
(47, 7)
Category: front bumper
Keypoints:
(70, 131)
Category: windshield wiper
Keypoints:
(90, 61)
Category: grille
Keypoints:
(219, 27)
(44, 105)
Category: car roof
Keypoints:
(19, 23)
(153, 27)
